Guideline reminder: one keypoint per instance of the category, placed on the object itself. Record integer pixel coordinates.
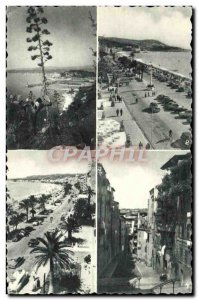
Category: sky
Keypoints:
(170, 25)
(71, 35)
(23, 163)
(133, 181)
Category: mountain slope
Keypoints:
(150, 45)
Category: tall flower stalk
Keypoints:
(36, 22)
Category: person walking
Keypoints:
(121, 112)
(145, 95)
(170, 134)
(140, 145)
(148, 146)
(117, 112)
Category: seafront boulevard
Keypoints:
(145, 118)
(57, 220)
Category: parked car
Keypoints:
(171, 106)
(180, 109)
(18, 280)
(17, 238)
(185, 114)
(160, 97)
(17, 262)
(180, 89)
(36, 223)
(154, 108)
(186, 140)
(33, 242)
(163, 277)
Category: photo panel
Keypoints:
(144, 225)
(145, 77)
(51, 76)
(51, 232)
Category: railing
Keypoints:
(161, 285)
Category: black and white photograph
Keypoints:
(51, 234)
(98, 170)
(145, 77)
(51, 93)
(144, 225)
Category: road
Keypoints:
(21, 248)
(155, 127)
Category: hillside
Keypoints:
(149, 45)
(47, 177)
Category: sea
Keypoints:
(19, 190)
(174, 61)
(179, 62)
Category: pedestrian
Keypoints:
(170, 134)
(117, 112)
(121, 112)
(120, 99)
(140, 145)
(148, 146)
(136, 101)
(38, 283)
(145, 95)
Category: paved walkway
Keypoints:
(150, 278)
(130, 125)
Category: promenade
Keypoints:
(131, 128)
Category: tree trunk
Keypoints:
(27, 212)
(51, 283)
(69, 234)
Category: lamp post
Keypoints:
(151, 125)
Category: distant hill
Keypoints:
(52, 69)
(149, 45)
(47, 177)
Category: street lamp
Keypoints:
(151, 124)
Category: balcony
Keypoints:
(183, 251)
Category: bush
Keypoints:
(87, 259)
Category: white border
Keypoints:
(2, 99)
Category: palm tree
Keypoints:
(25, 204)
(51, 250)
(71, 224)
(42, 201)
(16, 219)
(91, 193)
(33, 201)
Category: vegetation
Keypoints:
(174, 185)
(71, 225)
(84, 211)
(87, 259)
(36, 20)
(25, 204)
(16, 219)
(51, 250)
(149, 45)
(81, 117)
